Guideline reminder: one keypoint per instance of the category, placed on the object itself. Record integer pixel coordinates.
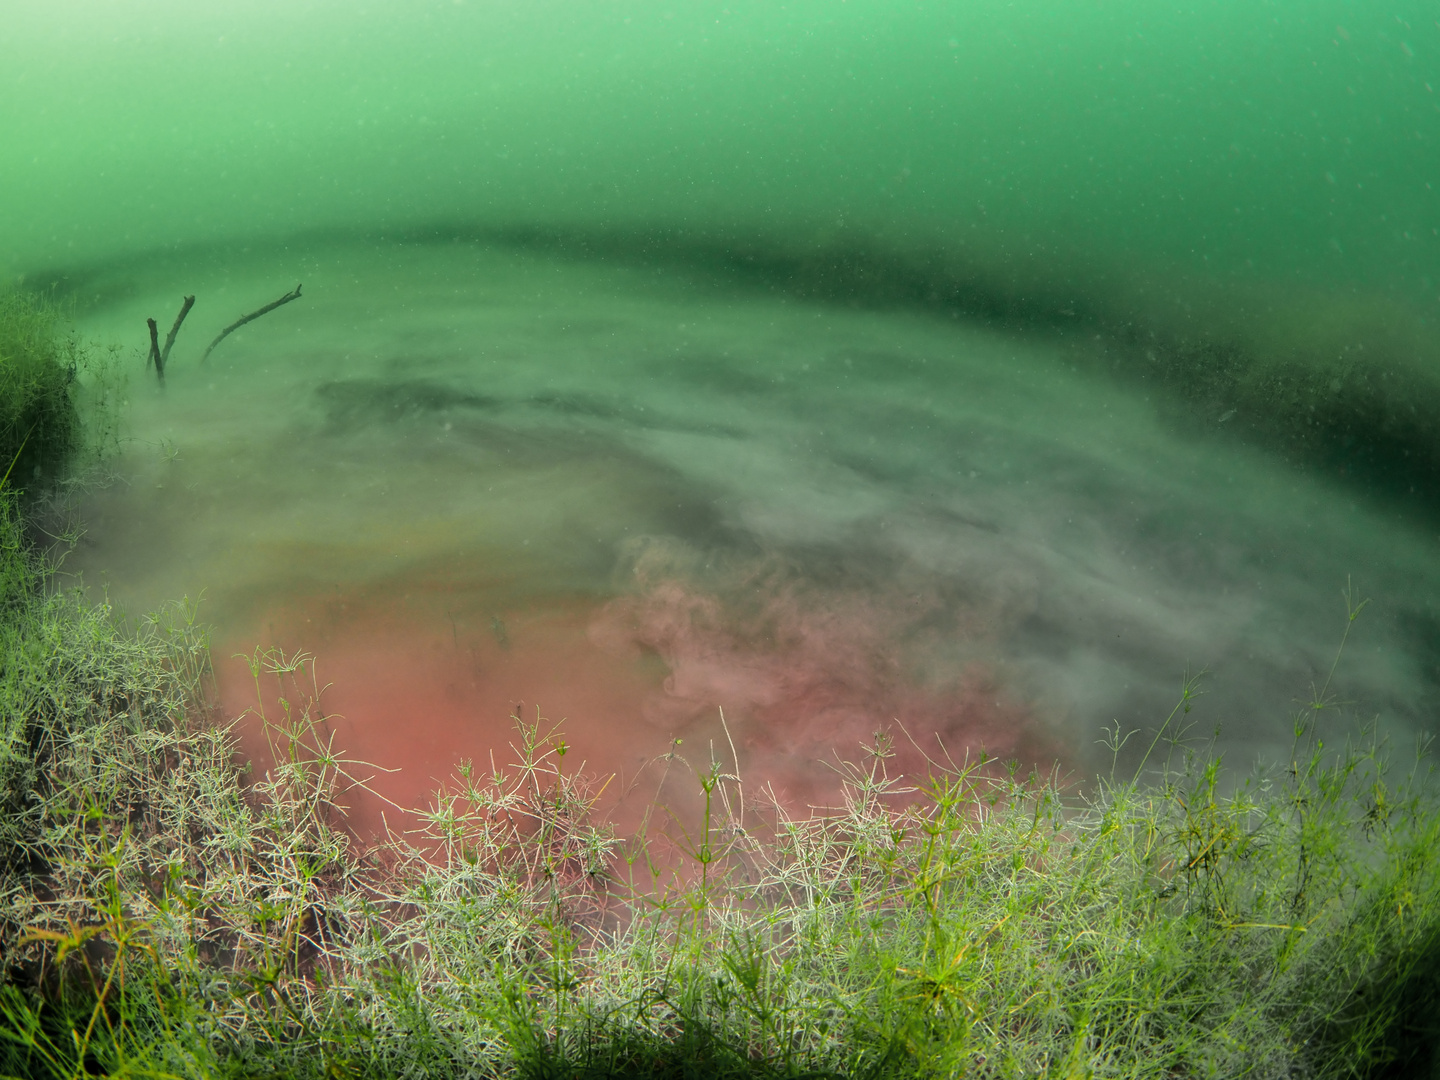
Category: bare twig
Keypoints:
(154, 357)
(250, 318)
(170, 337)
(158, 356)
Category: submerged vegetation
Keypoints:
(168, 914)
(39, 429)
(167, 911)
(42, 424)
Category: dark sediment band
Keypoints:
(1339, 383)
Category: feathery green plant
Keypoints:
(39, 429)
(169, 914)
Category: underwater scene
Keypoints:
(778, 539)
(978, 372)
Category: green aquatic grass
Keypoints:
(39, 429)
(60, 398)
(168, 914)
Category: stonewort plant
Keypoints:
(168, 910)
(169, 914)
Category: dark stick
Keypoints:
(154, 357)
(170, 338)
(250, 318)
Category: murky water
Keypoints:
(570, 413)
(469, 477)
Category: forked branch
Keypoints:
(159, 357)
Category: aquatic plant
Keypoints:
(61, 400)
(39, 428)
(169, 913)
(168, 910)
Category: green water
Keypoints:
(1280, 142)
(974, 366)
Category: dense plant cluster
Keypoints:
(39, 430)
(168, 914)
(165, 911)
